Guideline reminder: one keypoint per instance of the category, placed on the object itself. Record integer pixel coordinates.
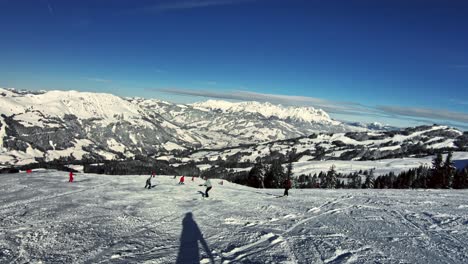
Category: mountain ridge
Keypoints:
(50, 125)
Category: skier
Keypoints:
(208, 186)
(287, 186)
(182, 179)
(148, 183)
(193, 177)
(70, 179)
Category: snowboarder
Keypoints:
(208, 186)
(153, 174)
(148, 183)
(70, 179)
(182, 180)
(287, 186)
(193, 177)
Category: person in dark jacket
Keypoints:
(287, 185)
(148, 183)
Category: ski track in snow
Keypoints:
(113, 219)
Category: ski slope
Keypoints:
(113, 219)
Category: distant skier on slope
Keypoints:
(208, 186)
(287, 185)
(148, 182)
(70, 177)
(182, 180)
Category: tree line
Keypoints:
(442, 175)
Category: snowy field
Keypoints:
(113, 219)
(380, 167)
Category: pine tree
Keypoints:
(322, 180)
(256, 176)
(291, 155)
(289, 169)
(369, 182)
(330, 178)
(448, 171)
(275, 175)
(356, 181)
(460, 180)
(457, 180)
(314, 182)
(464, 178)
(437, 177)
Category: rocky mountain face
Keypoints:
(50, 125)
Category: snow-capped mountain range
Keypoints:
(48, 125)
(268, 110)
(53, 124)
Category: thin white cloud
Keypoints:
(189, 4)
(418, 115)
(434, 114)
(99, 80)
(459, 66)
(157, 70)
(460, 102)
(49, 7)
(327, 105)
(208, 83)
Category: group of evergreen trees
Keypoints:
(269, 175)
(333, 180)
(129, 167)
(442, 175)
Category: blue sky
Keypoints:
(397, 62)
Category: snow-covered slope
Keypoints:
(112, 219)
(83, 105)
(419, 141)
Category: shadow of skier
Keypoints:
(188, 250)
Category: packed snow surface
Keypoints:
(113, 219)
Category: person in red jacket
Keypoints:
(70, 177)
(182, 179)
(287, 185)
